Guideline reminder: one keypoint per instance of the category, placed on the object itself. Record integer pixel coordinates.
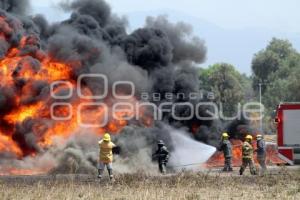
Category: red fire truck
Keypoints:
(288, 128)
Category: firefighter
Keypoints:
(225, 146)
(261, 153)
(162, 155)
(105, 156)
(247, 154)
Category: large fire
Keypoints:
(22, 71)
(217, 160)
(27, 77)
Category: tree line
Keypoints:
(276, 68)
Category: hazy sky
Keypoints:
(234, 30)
(277, 15)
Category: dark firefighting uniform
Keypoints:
(261, 154)
(162, 155)
(227, 151)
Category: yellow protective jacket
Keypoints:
(247, 150)
(106, 155)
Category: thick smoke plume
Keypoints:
(15, 6)
(186, 47)
(159, 58)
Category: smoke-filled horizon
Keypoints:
(245, 29)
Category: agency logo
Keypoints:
(252, 111)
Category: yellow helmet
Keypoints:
(225, 136)
(249, 137)
(106, 137)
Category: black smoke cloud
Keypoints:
(158, 58)
(19, 7)
(186, 46)
(160, 53)
(148, 48)
(99, 11)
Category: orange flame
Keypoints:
(23, 112)
(18, 73)
(217, 160)
(8, 145)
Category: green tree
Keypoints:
(267, 62)
(282, 48)
(279, 66)
(227, 84)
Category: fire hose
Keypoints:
(192, 164)
(186, 165)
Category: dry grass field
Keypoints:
(283, 184)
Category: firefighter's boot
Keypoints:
(241, 171)
(111, 176)
(100, 173)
